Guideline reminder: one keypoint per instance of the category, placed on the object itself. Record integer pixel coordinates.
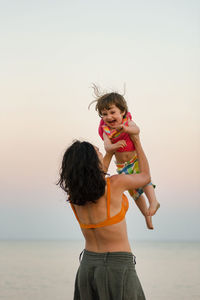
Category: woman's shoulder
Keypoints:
(112, 179)
(117, 180)
(116, 188)
(122, 182)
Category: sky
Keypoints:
(51, 53)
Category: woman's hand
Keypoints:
(111, 148)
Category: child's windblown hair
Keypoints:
(105, 100)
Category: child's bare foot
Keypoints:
(148, 220)
(153, 208)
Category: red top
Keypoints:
(122, 136)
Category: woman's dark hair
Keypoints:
(81, 174)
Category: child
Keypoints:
(116, 128)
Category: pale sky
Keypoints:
(51, 52)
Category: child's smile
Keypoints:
(113, 116)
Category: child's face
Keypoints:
(113, 116)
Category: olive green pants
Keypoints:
(107, 276)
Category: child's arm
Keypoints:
(109, 147)
(131, 129)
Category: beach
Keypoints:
(38, 270)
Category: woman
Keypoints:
(107, 269)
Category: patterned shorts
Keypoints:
(131, 167)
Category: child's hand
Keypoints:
(131, 129)
(119, 127)
(122, 128)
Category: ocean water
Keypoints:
(40, 270)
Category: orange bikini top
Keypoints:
(110, 220)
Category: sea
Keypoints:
(45, 270)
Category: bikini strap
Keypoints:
(73, 208)
(108, 196)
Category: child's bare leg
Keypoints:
(141, 203)
(153, 203)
